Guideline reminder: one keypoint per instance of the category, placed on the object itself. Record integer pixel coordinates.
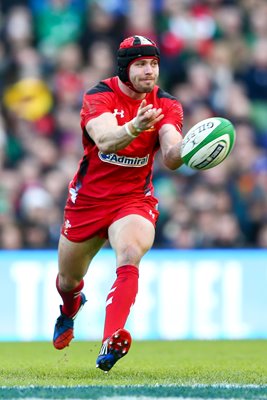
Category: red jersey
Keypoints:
(128, 171)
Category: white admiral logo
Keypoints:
(123, 161)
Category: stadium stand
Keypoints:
(52, 51)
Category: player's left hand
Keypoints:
(147, 116)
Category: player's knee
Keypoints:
(130, 254)
(68, 282)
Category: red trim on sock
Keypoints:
(71, 299)
(120, 299)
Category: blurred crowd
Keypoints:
(213, 59)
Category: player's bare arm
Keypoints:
(110, 137)
(170, 144)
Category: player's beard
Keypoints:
(143, 86)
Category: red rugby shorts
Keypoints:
(84, 220)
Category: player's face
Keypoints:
(144, 74)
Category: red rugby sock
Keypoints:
(120, 299)
(71, 299)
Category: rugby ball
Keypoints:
(208, 143)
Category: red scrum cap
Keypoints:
(132, 48)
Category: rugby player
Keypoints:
(125, 120)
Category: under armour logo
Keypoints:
(117, 112)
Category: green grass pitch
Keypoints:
(195, 369)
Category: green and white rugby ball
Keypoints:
(208, 143)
